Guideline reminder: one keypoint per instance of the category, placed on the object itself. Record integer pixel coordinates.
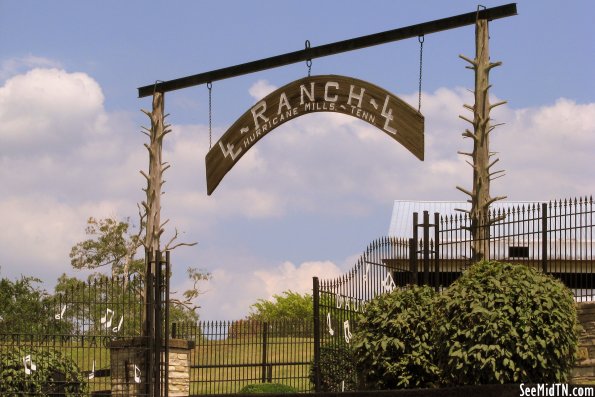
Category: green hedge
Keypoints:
(53, 375)
(267, 388)
(337, 368)
(393, 345)
(498, 323)
(505, 323)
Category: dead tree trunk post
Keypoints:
(152, 204)
(157, 167)
(482, 158)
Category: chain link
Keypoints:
(421, 58)
(210, 87)
(309, 61)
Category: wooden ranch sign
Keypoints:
(327, 93)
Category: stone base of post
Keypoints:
(128, 362)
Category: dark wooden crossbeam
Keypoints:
(331, 49)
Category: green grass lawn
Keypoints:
(246, 356)
(245, 353)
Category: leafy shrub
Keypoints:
(505, 323)
(267, 388)
(392, 345)
(54, 374)
(337, 368)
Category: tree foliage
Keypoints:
(114, 244)
(290, 306)
(26, 308)
(337, 368)
(393, 346)
(505, 323)
(50, 374)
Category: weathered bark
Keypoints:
(479, 197)
(152, 205)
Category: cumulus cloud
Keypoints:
(260, 89)
(229, 294)
(334, 165)
(49, 108)
(64, 158)
(14, 66)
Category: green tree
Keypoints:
(115, 244)
(290, 306)
(112, 244)
(54, 374)
(505, 323)
(392, 345)
(25, 308)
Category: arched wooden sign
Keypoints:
(327, 93)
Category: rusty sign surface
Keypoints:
(327, 93)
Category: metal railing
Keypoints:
(230, 355)
(555, 238)
(76, 326)
(64, 343)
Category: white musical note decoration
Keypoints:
(60, 315)
(365, 277)
(107, 319)
(92, 373)
(328, 321)
(388, 283)
(137, 374)
(29, 365)
(346, 331)
(119, 327)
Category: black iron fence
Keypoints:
(74, 333)
(63, 344)
(554, 237)
(337, 302)
(230, 355)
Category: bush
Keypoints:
(54, 374)
(337, 368)
(505, 323)
(392, 345)
(267, 388)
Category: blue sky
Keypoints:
(303, 202)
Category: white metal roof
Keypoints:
(401, 222)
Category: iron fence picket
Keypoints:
(554, 237)
(229, 355)
(81, 321)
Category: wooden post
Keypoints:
(482, 157)
(152, 205)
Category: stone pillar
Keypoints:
(584, 369)
(128, 362)
(179, 367)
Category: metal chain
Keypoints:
(309, 61)
(210, 87)
(421, 59)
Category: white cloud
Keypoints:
(49, 109)
(298, 279)
(229, 294)
(13, 66)
(63, 158)
(260, 89)
(42, 231)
